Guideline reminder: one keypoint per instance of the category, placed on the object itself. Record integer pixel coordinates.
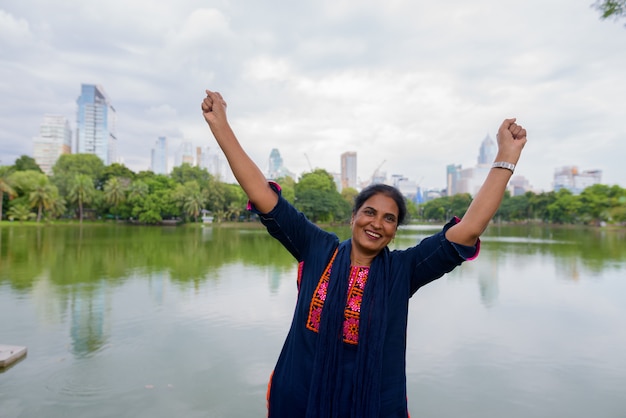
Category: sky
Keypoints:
(411, 86)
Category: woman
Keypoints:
(344, 355)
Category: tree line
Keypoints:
(596, 205)
(81, 186)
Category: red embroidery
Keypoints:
(352, 312)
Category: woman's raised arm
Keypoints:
(247, 173)
(511, 140)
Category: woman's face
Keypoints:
(374, 224)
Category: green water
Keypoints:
(131, 321)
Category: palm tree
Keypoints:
(114, 192)
(81, 191)
(193, 204)
(5, 186)
(21, 212)
(58, 205)
(137, 190)
(42, 196)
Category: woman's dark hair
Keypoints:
(384, 189)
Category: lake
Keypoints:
(126, 321)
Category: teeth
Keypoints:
(372, 234)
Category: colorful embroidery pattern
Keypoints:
(352, 312)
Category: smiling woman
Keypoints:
(344, 355)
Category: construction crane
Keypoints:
(375, 173)
(309, 162)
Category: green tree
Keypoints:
(58, 205)
(565, 209)
(69, 165)
(150, 198)
(412, 210)
(5, 186)
(82, 191)
(192, 199)
(43, 196)
(349, 194)
(115, 192)
(595, 204)
(26, 163)
(123, 173)
(317, 197)
(20, 211)
(138, 190)
(149, 212)
(614, 9)
(233, 202)
(186, 172)
(288, 188)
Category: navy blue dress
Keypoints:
(313, 248)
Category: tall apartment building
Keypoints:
(487, 152)
(55, 139)
(469, 180)
(348, 170)
(215, 164)
(575, 181)
(185, 154)
(159, 156)
(96, 124)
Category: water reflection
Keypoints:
(189, 321)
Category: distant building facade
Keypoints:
(55, 139)
(408, 188)
(159, 156)
(469, 180)
(185, 154)
(348, 170)
(215, 164)
(276, 167)
(96, 121)
(453, 178)
(575, 181)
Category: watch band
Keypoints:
(504, 164)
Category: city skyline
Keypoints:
(471, 177)
(400, 82)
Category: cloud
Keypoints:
(415, 85)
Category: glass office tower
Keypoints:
(95, 124)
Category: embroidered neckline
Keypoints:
(352, 311)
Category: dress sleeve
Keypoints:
(291, 227)
(435, 255)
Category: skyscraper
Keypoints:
(276, 167)
(55, 138)
(96, 124)
(159, 156)
(487, 152)
(348, 169)
(275, 164)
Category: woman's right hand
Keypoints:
(214, 110)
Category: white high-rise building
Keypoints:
(55, 139)
(185, 154)
(96, 124)
(159, 156)
(215, 164)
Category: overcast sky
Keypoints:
(408, 84)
